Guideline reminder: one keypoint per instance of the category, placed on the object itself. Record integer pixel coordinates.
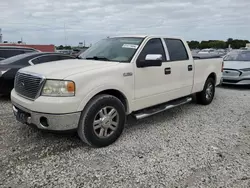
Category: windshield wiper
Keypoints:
(98, 58)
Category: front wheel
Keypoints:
(102, 121)
(206, 96)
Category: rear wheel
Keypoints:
(102, 121)
(206, 96)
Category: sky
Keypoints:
(72, 21)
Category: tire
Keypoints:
(107, 127)
(206, 96)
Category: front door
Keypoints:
(152, 83)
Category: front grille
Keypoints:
(28, 85)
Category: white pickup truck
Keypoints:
(118, 76)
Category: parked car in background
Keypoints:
(9, 51)
(80, 52)
(237, 68)
(118, 76)
(221, 52)
(68, 52)
(75, 51)
(208, 51)
(9, 67)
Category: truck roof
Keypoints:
(139, 36)
(144, 36)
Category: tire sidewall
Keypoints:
(86, 126)
(209, 80)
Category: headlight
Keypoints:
(58, 88)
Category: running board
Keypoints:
(160, 108)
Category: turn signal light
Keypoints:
(71, 87)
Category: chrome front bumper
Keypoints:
(56, 122)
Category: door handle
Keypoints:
(167, 70)
(190, 67)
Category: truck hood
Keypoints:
(65, 68)
(236, 64)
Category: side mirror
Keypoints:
(151, 60)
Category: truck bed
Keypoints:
(203, 67)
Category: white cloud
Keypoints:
(42, 21)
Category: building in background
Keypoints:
(80, 44)
(41, 47)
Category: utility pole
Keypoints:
(1, 36)
(65, 38)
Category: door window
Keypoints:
(176, 49)
(153, 46)
(45, 58)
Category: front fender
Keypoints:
(102, 88)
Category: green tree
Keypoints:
(67, 47)
(193, 44)
(217, 44)
(60, 47)
(236, 44)
(204, 44)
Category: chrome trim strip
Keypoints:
(2, 72)
(31, 73)
(30, 62)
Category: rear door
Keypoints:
(182, 68)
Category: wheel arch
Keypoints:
(109, 91)
(213, 75)
(118, 94)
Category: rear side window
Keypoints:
(176, 50)
(6, 53)
(45, 58)
(153, 46)
(16, 58)
(28, 51)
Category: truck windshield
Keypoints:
(120, 49)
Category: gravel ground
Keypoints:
(189, 146)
